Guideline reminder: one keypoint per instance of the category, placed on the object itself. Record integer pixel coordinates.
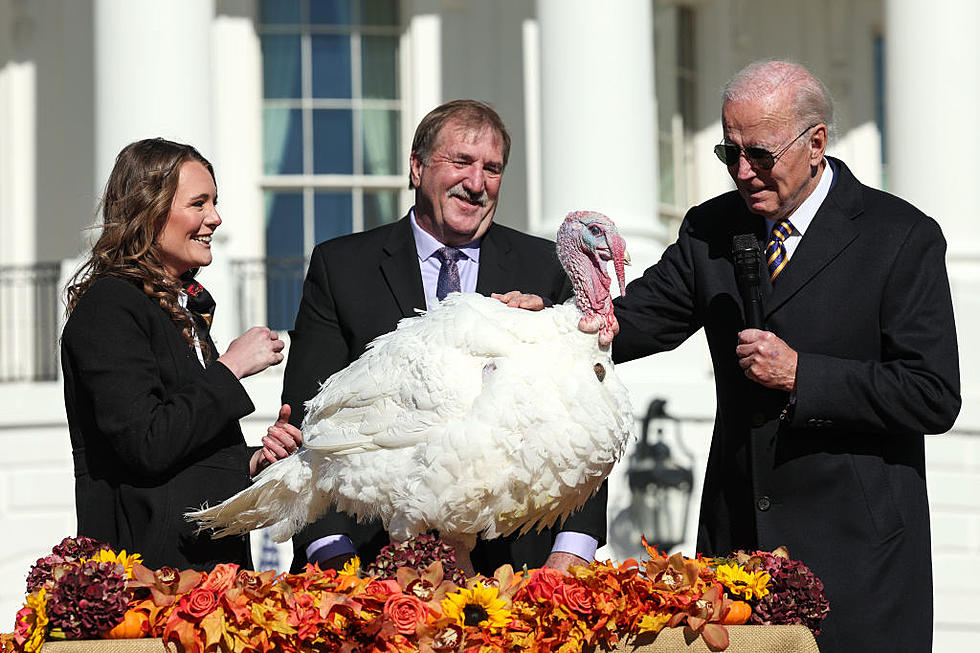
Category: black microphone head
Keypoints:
(746, 252)
(744, 241)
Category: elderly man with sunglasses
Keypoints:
(818, 441)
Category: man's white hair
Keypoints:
(811, 100)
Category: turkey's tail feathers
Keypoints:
(281, 497)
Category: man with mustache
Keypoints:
(359, 286)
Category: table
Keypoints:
(743, 639)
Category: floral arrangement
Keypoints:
(85, 590)
(795, 595)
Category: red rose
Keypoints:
(406, 612)
(221, 577)
(198, 604)
(574, 597)
(543, 584)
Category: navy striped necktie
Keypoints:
(776, 249)
(449, 272)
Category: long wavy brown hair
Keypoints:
(134, 211)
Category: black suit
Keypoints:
(840, 480)
(153, 433)
(357, 288)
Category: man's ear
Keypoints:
(818, 144)
(416, 166)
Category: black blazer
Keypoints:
(841, 480)
(357, 288)
(153, 433)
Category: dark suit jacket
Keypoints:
(357, 288)
(841, 481)
(153, 433)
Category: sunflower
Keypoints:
(743, 583)
(121, 558)
(478, 606)
(351, 566)
(32, 621)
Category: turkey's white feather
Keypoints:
(474, 419)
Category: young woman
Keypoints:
(152, 409)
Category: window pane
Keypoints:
(281, 65)
(284, 265)
(380, 207)
(282, 137)
(330, 12)
(380, 142)
(379, 12)
(331, 65)
(283, 223)
(332, 215)
(280, 12)
(380, 67)
(333, 149)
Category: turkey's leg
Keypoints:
(462, 550)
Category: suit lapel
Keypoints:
(494, 275)
(831, 231)
(400, 268)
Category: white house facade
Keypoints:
(307, 109)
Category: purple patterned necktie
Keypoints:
(449, 272)
(776, 250)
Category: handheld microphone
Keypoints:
(748, 276)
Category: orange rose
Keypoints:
(543, 584)
(221, 577)
(382, 589)
(198, 604)
(406, 612)
(574, 597)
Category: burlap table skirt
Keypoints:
(744, 639)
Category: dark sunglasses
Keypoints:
(758, 157)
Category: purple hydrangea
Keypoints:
(796, 595)
(416, 553)
(69, 550)
(87, 599)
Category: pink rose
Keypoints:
(198, 604)
(574, 597)
(221, 577)
(543, 584)
(406, 612)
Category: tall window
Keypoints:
(331, 117)
(676, 78)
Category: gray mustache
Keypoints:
(477, 198)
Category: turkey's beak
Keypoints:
(621, 259)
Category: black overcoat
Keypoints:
(153, 432)
(840, 480)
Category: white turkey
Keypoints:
(474, 419)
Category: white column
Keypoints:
(236, 153)
(933, 95)
(426, 63)
(18, 96)
(598, 115)
(152, 75)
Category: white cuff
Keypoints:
(328, 547)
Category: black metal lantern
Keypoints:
(660, 487)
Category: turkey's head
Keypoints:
(586, 241)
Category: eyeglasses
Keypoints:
(758, 157)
